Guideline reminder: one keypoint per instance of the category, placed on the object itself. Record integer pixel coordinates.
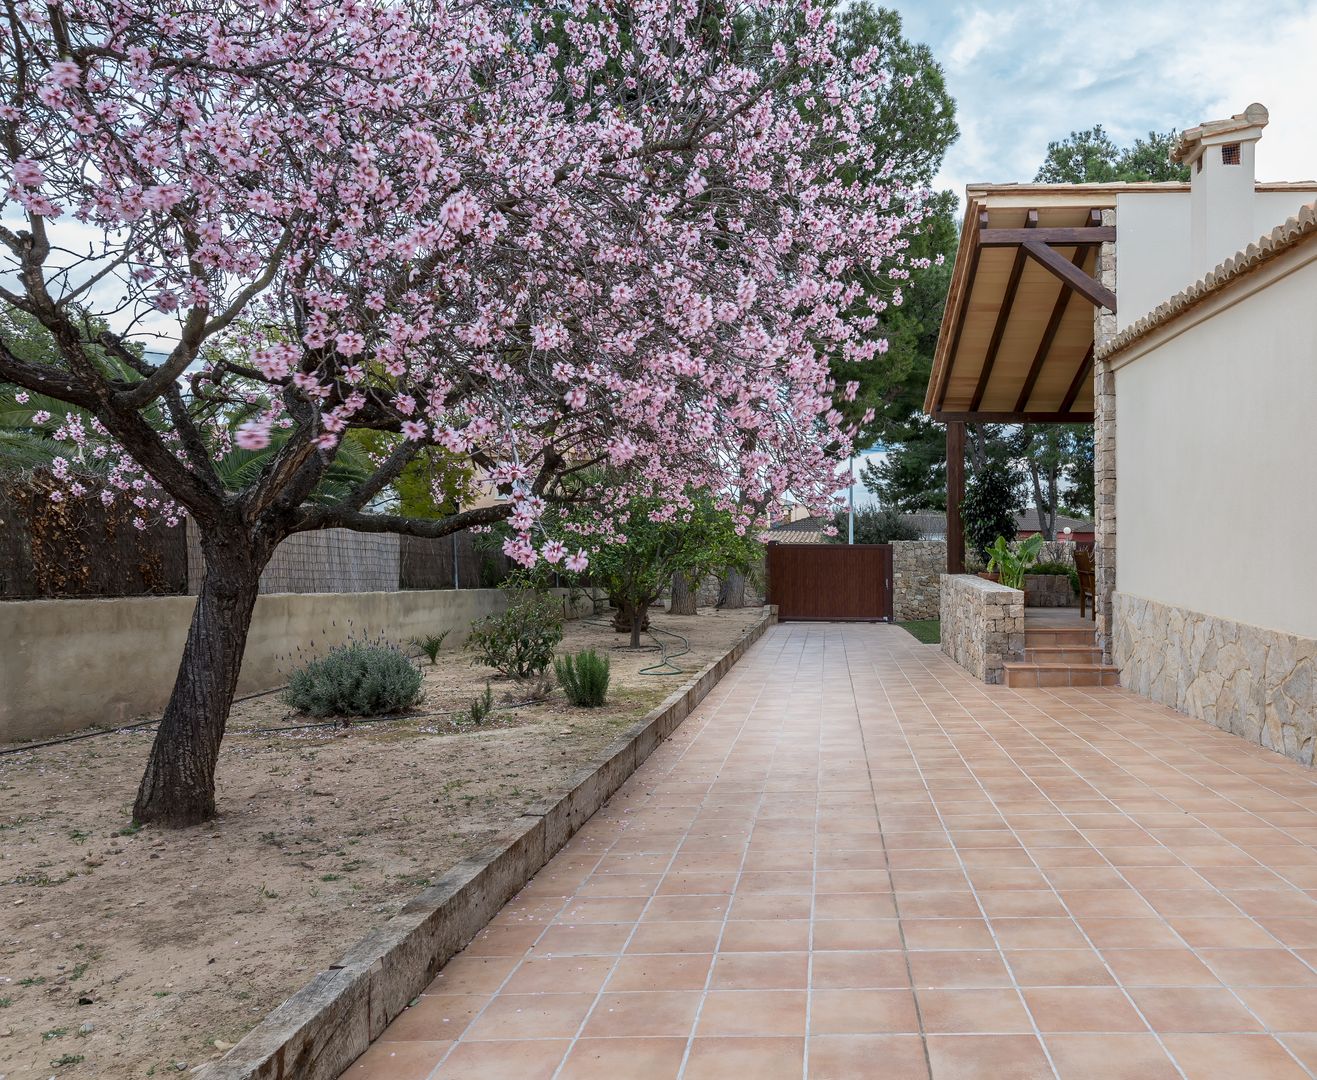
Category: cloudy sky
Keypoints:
(1024, 74)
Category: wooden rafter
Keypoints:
(1049, 334)
(1067, 417)
(1061, 237)
(963, 309)
(1056, 263)
(1077, 383)
(1003, 315)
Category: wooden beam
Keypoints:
(1063, 237)
(1012, 417)
(1003, 316)
(1077, 383)
(1089, 288)
(1049, 335)
(955, 496)
(963, 310)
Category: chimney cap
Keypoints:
(1190, 143)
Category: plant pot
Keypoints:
(989, 577)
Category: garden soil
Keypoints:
(148, 953)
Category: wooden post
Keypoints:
(955, 496)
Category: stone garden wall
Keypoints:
(982, 624)
(917, 569)
(1047, 590)
(1258, 684)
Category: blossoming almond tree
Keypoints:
(544, 237)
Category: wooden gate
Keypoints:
(831, 581)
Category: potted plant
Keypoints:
(1008, 563)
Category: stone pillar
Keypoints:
(1104, 451)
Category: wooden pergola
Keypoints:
(1016, 343)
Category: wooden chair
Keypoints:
(1087, 581)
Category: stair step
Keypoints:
(1063, 654)
(1025, 674)
(1042, 637)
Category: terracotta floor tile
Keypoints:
(643, 1014)
(1130, 933)
(702, 908)
(1038, 934)
(583, 939)
(684, 971)
(862, 1012)
(846, 1057)
(1058, 967)
(946, 934)
(1159, 967)
(560, 974)
(954, 969)
(971, 1011)
(1228, 933)
(1022, 903)
(1082, 1008)
(1193, 1009)
(854, 906)
(752, 1012)
(531, 1059)
(624, 1059)
(1225, 1057)
(674, 937)
(761, 1058)
(1289, 1009)
(860, 970)
(850, 934)
(784, 935)
(1110, 1057)
(938, 905)
(530, 1016)
(465, 974)
(757, 908)
(988, 1057)
(761, 971)
(436, 1017)
(397, 1060)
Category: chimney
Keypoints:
(1219, 154)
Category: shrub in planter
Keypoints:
(1060, 569)
(521, 640)
(356, 679)
(584, 678)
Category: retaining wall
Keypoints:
(982, 624)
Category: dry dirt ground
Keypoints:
(146, 953)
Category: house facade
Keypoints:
(1179, 319)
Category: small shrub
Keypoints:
(521, 640)
(355, 680)
(480, 708)
(584, 678)
(431, 644)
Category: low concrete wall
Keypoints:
(917, 569)
(1256, 683)
(69, 664)
(982, 624)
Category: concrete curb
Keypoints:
(329, 1023)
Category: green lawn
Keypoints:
(929, 631)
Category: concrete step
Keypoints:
(1063, 654)
(1025, 674)
(1044, 637)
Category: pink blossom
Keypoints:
(577, 562)
(553, 551)
(253, 435)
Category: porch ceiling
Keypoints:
(1017, 335)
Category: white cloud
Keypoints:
(1023, 75)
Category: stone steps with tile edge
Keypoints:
(1062, 654)
(1019, 674)
(1053, 637)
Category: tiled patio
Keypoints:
(854, 861)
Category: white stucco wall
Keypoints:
(1216, 454)
(1154, 250)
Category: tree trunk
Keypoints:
(731, 593)
(632, 618)
(684, 599)
(178, 788)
